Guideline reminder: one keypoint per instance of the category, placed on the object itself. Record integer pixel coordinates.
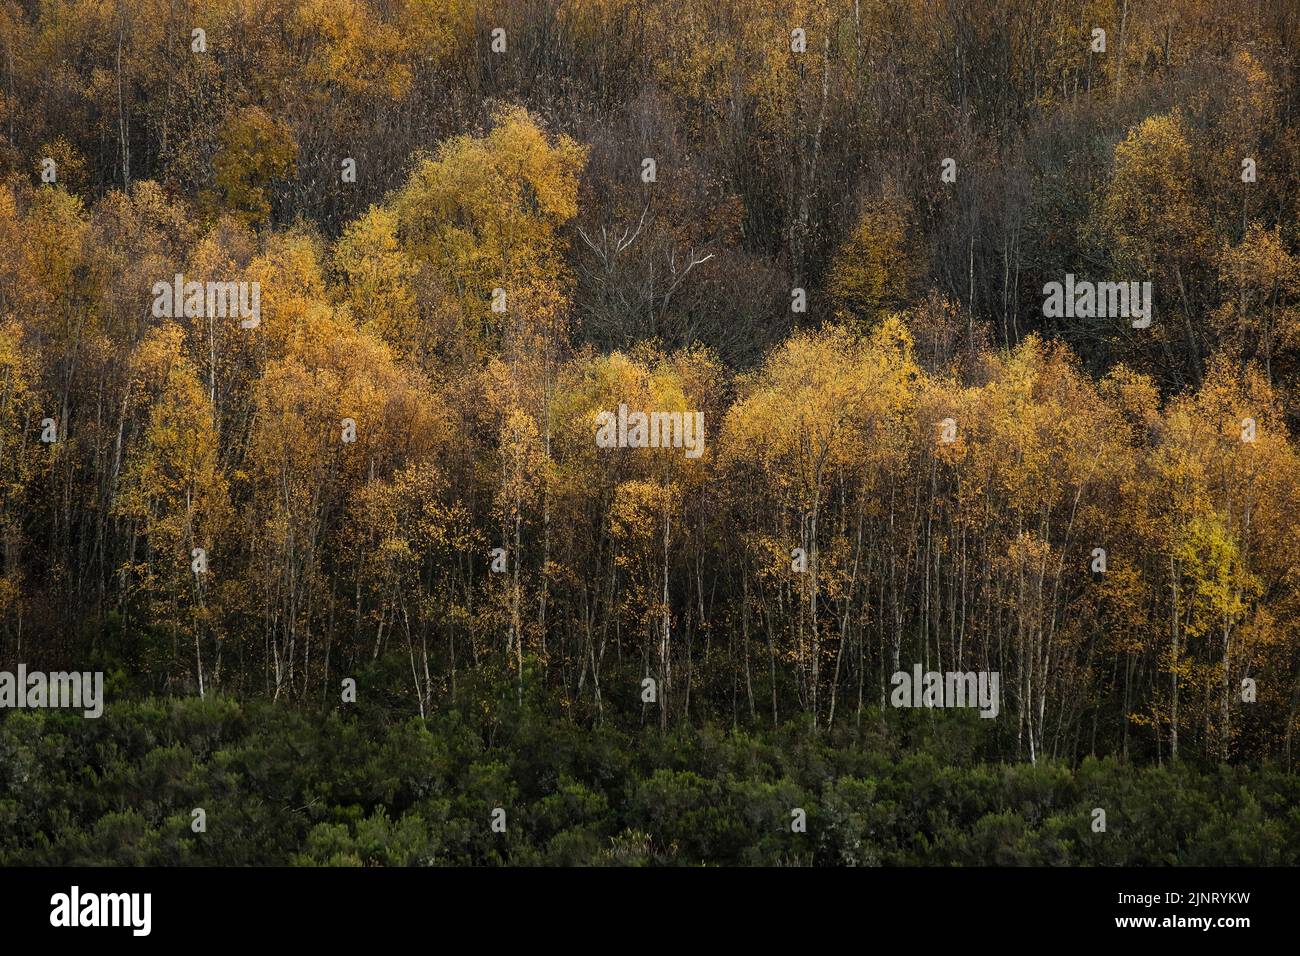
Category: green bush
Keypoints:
(373, 787)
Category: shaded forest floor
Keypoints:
(370, 785)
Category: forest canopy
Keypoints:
(449, 236)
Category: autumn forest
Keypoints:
(312, 312)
